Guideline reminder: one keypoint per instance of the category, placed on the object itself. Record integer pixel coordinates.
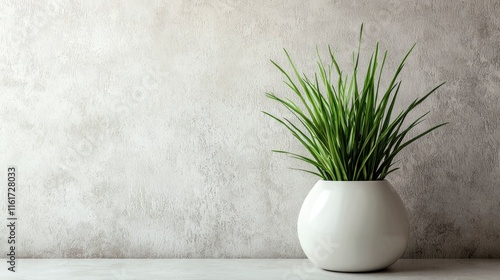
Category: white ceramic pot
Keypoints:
(353, 226)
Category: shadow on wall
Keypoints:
(449, 182)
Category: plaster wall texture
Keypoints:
(137, 132)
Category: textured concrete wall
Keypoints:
(136, 126)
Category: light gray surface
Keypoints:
(238, 269)
(137, 132)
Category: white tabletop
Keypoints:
(221, 269)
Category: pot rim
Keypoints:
(351, 182)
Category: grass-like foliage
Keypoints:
(346, 124)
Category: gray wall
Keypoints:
(137, 132)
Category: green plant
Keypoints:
(348, 129)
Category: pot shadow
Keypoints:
(399, 267)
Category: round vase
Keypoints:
(353, 226)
